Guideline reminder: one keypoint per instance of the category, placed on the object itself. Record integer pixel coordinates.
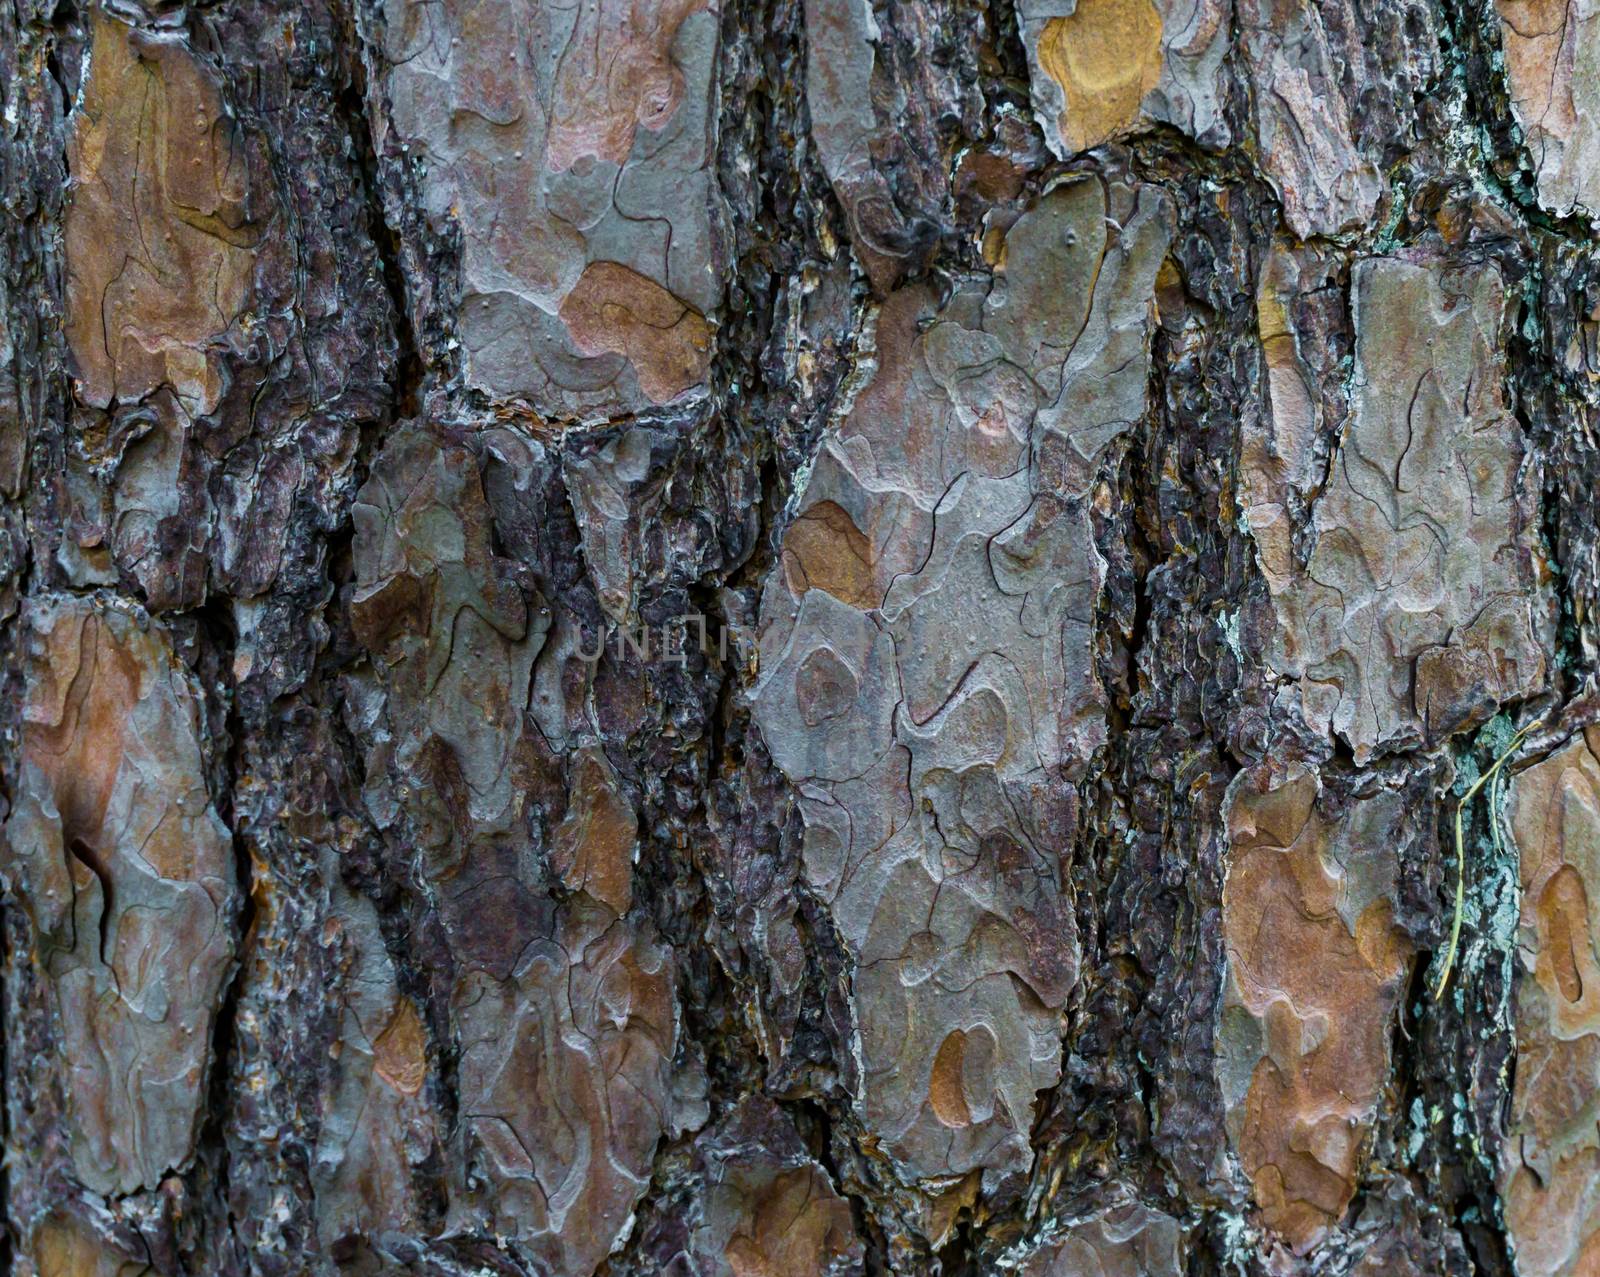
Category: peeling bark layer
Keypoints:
(1551, 1172)
(1316, 966)
(127, 874)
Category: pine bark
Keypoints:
(800, 636)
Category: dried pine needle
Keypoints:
(1492, 777)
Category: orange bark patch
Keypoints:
(1105, 56)
(400, 1055)
(158, 247)
(1316, 967)
(1550, 1162)
(824, 550)
(64, 1247)
(615, 310)
(616, 76)
(945, 1093)
(128, 875)
(594, 845)
(797, 1228)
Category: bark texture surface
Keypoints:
(800, 637)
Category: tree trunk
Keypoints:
(798, 637)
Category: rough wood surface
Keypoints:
(784, 637)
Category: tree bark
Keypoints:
(800, 636)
